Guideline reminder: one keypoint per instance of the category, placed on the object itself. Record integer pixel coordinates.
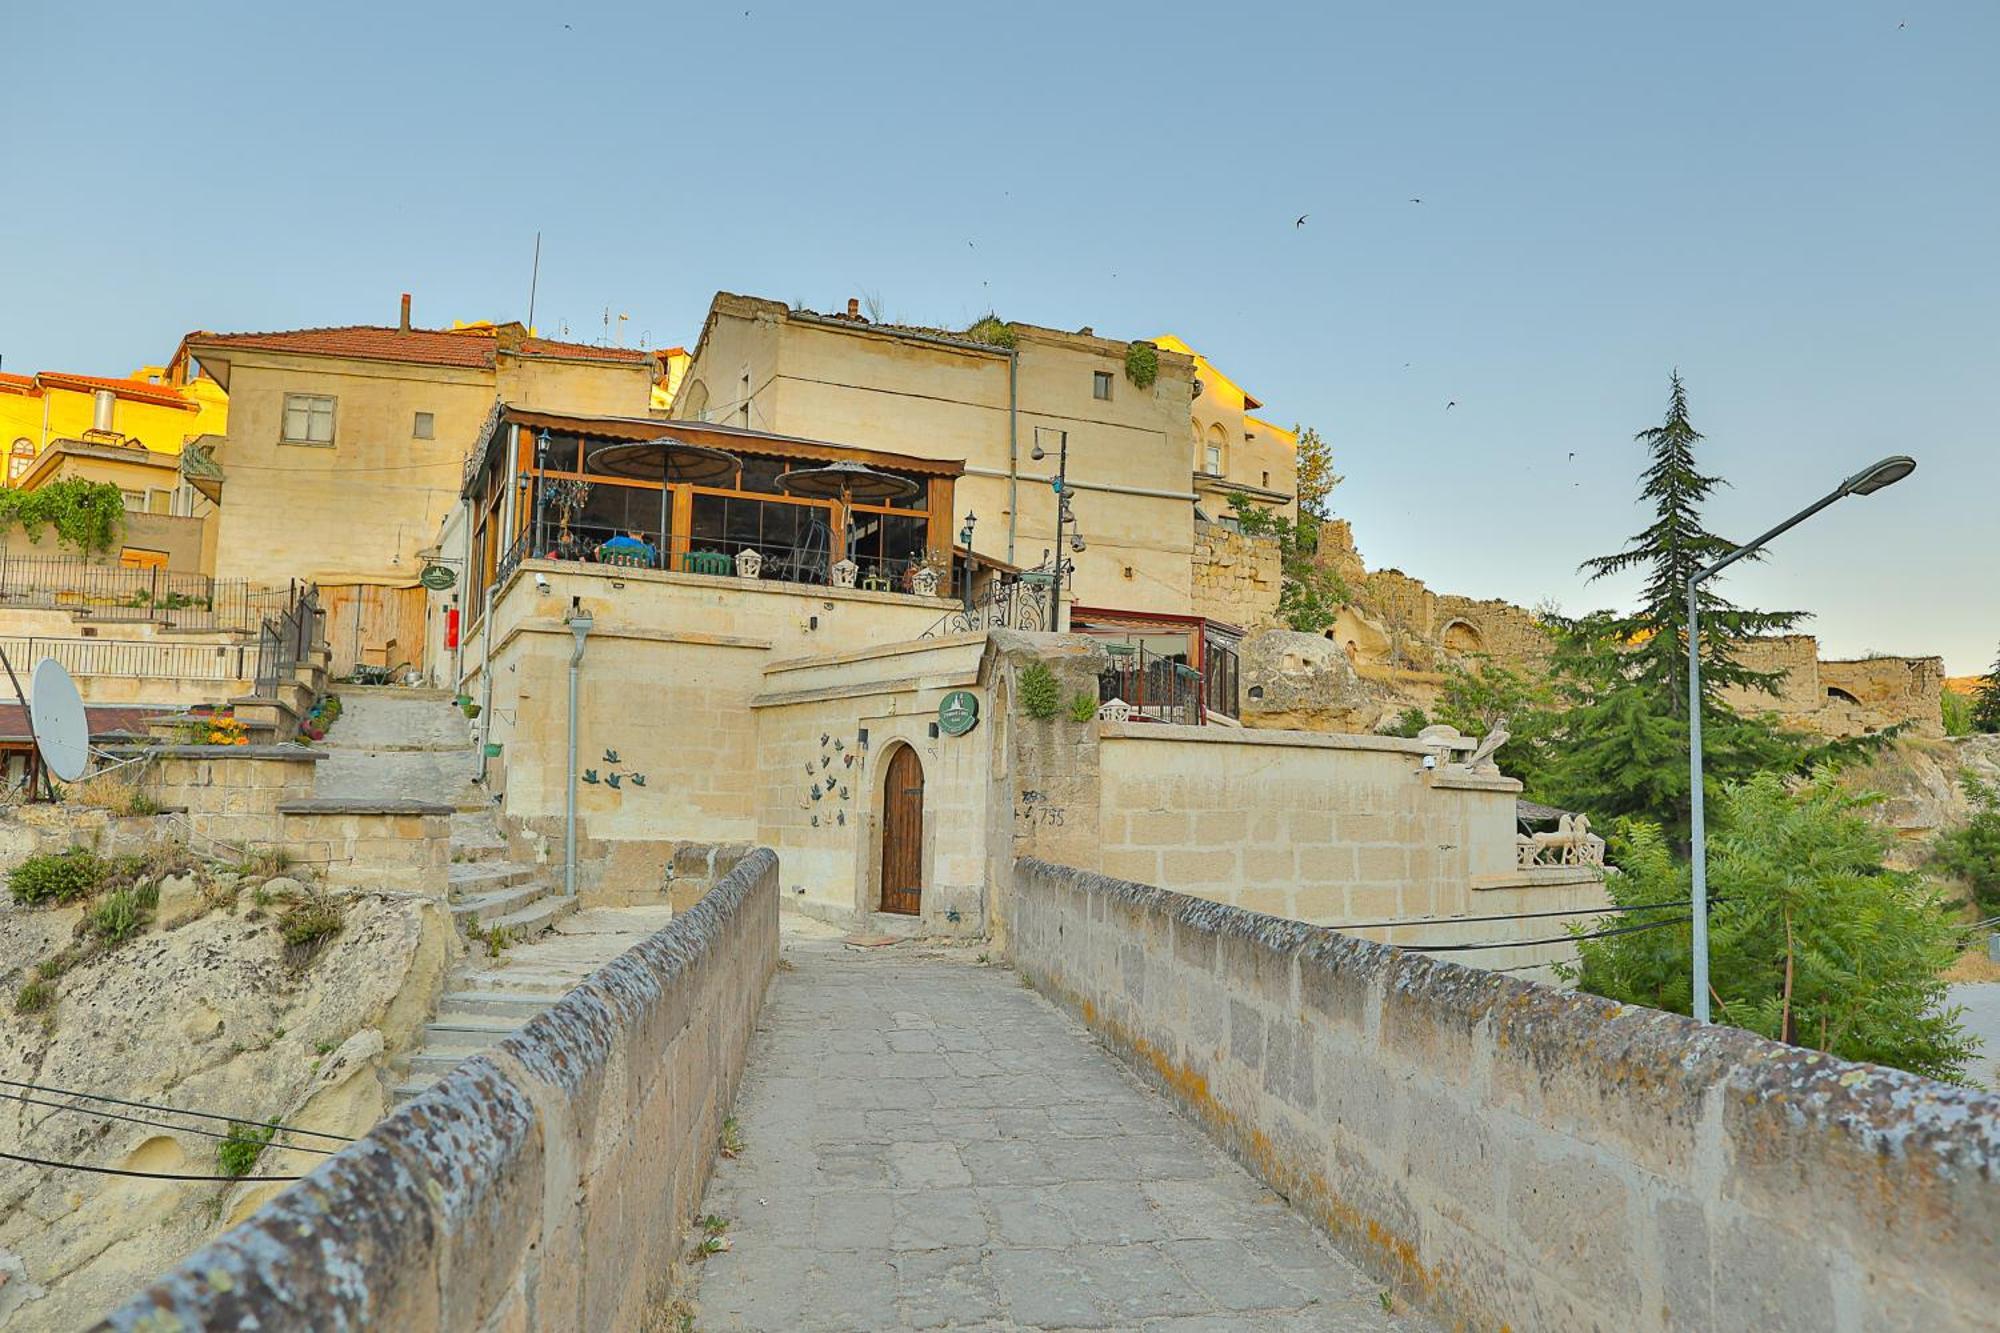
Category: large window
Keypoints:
(308, 419)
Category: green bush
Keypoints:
(117, 916)
(1082, 706)
(56, 877)
(238, 1153)
(992, 330)
(1957, 713)
(1142, 364)
(34, 997)
(307, 924)
(1041, 695)
(1973, 852)
(87, 515)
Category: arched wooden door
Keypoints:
(903, 834)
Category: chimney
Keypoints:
(406, 312)
(853, 308)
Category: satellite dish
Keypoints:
(62, 730)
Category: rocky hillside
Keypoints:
(184, 992)
(1919, 782)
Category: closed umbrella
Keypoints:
(846, 481)
(668, 461)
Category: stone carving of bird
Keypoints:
(638, 779)
(611, 756)
(613, 781)
(590, 776)
(1488, 743)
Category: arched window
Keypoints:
(694, 407)
(20, 458)
(1213, 457)
(1837, 695)
(1461, 637)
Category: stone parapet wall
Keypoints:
(1236, 577)
(398, 845)
(544, 1184)
(230, 793)
(1509, 1155)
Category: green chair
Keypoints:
(710, 562)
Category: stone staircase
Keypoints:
(549, 947)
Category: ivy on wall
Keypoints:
(88, 516)
(1041, 694)
(1142, 364)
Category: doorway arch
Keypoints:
(903, 833)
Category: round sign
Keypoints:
(958, 713)
(62, 730)
(438, 578)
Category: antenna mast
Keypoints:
(534, 280)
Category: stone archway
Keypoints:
(1463, 637)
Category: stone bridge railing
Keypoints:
(545, 1184)
(1512, 1155)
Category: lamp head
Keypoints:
(1076, 543)
(1038, 453)
(1877, 475)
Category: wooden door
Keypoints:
(903, 834)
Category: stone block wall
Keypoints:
(1509, 1155)
(396, 845)
(1236, 577)
(1892, 689)
(545, 1184)
(231, 793)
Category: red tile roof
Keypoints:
(471, 348)
(17, 383)
(139, 391)
(104, 722)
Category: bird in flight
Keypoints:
(1453, 403)
(1572, 454)
(1302, 220)
(1416, 201)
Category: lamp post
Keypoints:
(1064, 514)
(965, 540)
(1865, 482)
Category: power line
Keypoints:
(155, 1124)
(175, 1110)
(1520, 916)
(137, 1175)
(1528, 944)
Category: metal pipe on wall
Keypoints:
(1013, 447)
(579, 624)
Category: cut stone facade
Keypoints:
(1236, 577)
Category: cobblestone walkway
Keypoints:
(929, 1144)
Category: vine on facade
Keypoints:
(88, 516)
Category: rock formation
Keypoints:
(1305, 682)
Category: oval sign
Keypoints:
(438, 578)
(958, 712)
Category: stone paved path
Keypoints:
(929, 1144)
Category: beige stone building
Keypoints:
(994, 396)
(1235, 453)
(345, 452)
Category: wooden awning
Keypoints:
(730, 438)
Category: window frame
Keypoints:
(285, 436)
(423, 426)
(1101, 379)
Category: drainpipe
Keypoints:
(1013, 448)
(485, 680)
(579, 624)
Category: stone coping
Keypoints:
(1458, 779)
(338, 805)
(1538, 877)
(295, 753)
(897, 649)
(717, 582)
(1296, 740)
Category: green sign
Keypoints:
(958, 713)
(438, 578)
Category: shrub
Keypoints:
(1082, 706)
(1973, 852)
(1957, 713)
(116, 793)
(1041, 696)
(1142, 364)
(34, 997)
(116, 917)
(308, 924)
(56, 877)
(87, 515)
(991, 330)
(238, 1153)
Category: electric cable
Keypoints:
(154, 1124)
(137, 1175)
(1527, 944)
(174, 1110)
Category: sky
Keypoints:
(1793, 202)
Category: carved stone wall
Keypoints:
(1236, 577)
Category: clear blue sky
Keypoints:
(1794, 201)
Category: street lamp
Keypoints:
(965, 540)
(1865, 482)
(1063, 515)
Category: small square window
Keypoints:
(425, 428)
(308, 419)
(1100, 385)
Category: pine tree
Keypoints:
(1986, 701)
(1315, 477)
(1670, 550)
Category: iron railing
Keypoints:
(1007, 603)
(287, 639)
(809, 560)
(1221, 672)
(126, 593)
(121, 657)
(1158, 689)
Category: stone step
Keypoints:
(517, 1005)
(495, 904)
(533, 919)
(533, 977)
(470, 877)
(433, 1065)
(461, 1037)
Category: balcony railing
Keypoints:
(123, 593)
(1157, 689)
(139, 660)
(287, 638)
(1007, 603)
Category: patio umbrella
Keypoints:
(846, 481)
(665, 460)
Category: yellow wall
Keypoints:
(62, 413)
(1255, 452)
(870, 387)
